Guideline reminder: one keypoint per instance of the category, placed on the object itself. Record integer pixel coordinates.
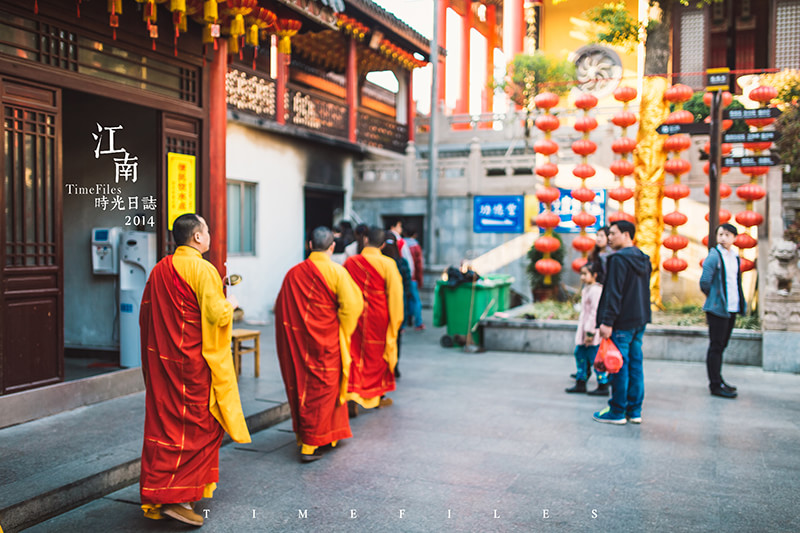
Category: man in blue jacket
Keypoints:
(721, 282)
(622, 315)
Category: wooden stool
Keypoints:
(240, 335)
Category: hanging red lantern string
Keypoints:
(546, 243)
(677, 94)
(623, 146)
(752, 191)
(584, 147)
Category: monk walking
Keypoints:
(374, 344)
(316, 312)
(192, 397)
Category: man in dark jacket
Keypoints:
(622, 315)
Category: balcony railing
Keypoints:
(381, 133)
(315, 112)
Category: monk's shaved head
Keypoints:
(321, 239)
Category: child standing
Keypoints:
(587, 338)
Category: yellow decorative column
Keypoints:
(649, 158)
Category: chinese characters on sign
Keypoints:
(566, 206)
(180, 186)
(498, 214)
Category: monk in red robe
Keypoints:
(192, 397)
(315, 314)
(374, 344)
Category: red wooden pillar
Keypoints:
(466, 25)
(410, 105)
(352, 89)
(513, 28)
(442, 20)
(280, 87)
(491, 44)
(217, 120)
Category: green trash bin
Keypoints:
(451, 305)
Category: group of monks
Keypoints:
(336, 330)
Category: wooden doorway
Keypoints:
(32, 295)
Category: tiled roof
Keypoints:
(392, 23)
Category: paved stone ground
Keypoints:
(487, 442)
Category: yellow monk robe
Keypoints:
(368, 383)
(313, 329)
(181, 360)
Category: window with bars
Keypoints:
(787, 34)
(29, 137)
(44, 43)
(241, 218)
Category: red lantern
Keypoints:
(747, 265)
(723, 170)
(582, 243)
(676, 191)
(724, 216)
(727, 99)
(546, 100)
(751, 192)
(758, 147)
(620, 215)
(680, 117)
(678, 93)
(675, 265)
(725, 148)
(548, 195)
(744, 241)
(705, 243)
(583, 171)
(547, 244)
(675, 218)
(583, 194)
(584, 147)
(749, 218)
(677, 143)
(759, 122)
(545, 146)
(763, 94)
(677, 166)
(623, 145)
(620, 194)
(621, 167)
(547, 170)
(548, 267)
(623, 119)
(547, 122)
(577, 265)
(585, 124)
(548, 219)
(624, 94)
(583, 219)
(724, 189)
(585, 101)
(676, 242)
(754, 171)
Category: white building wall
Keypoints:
(278, 167)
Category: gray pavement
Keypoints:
(490, 442)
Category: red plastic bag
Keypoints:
(609, 358)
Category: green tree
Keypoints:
(531, 74)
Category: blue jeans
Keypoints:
(584, 359)
(627, 385)
(415, 312)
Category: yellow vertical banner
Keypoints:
(531, 210)
(181, 185)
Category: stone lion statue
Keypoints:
(782, 269)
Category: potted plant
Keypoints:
(539, 289)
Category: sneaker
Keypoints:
(634, 418)
(183, 513)
(421, 327)
(607, 417)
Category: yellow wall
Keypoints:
(564, 30)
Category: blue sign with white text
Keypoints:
(566, 206)
(498, 214)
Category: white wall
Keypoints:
(278, 166)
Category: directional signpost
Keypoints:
(748, 114)
(692, 128)
(717, 81)
(752, 161)
(751, 137)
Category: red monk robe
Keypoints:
(192, 396)
(316, 312)
(374, 344)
